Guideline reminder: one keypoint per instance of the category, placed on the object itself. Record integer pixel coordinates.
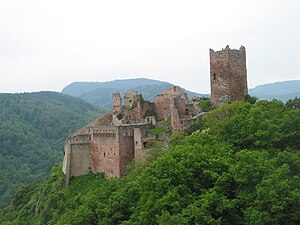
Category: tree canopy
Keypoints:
(241, 167)
(33, 127)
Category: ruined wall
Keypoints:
(182, 107)
(126, 148)
(105, 150)
(175, 119)
(172, 97)
(138, 102)
(139, 151)
(185, 123)
(228, 74)
(148, 108)
(162, 106)
(129, 98)
(116, 103)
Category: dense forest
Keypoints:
(32, 130)
(239, 165)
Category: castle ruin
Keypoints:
(109, 143)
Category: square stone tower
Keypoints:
(228, 75)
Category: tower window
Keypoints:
(215, 76)
(187, 112)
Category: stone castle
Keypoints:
(109, 143)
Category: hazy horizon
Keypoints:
(46, 45)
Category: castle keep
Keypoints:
(109, 143)
(228, 75)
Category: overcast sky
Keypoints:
(45, 45)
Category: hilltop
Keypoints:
(99, 93)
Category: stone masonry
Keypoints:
(110, 142)
(228, 75)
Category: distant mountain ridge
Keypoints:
(283, 90)
(99, 93)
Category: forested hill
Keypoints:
(33, 127)
(241, 166)
(99, 93)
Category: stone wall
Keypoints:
(77, 156)
(105, 150)
(162, 106)
(126, 148)
(129, 98)
(116, 103)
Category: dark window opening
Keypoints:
(187, 111)
(215, 76)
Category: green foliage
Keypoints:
(164, 122)
(156, 131)
(243, 168)
(197, 125)
(120, 115)
(32, 132)
(155, 144)
(293, 103)
(205, 105)
(250, 99)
